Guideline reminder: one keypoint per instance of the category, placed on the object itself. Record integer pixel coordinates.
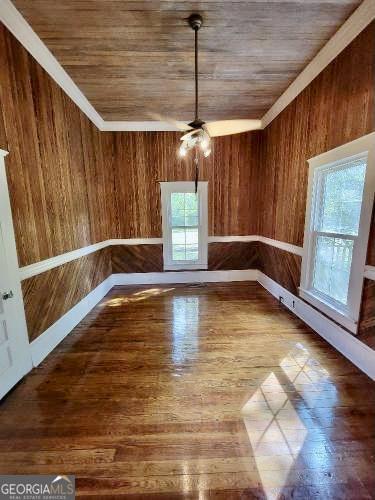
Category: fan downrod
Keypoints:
(195, 21)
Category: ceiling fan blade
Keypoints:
(190, 134)
(228, 127)
(174, 123)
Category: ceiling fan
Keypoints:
(198, 132)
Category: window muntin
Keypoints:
(339, 191)
(184, 215)
(341, 201)
(184, 222)
(331, 269)
(338, 217)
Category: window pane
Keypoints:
(191, 219)
(178, 252)
(191, 202)
(191, 235)
(178, 201)
(184, 220)
(178, 218)
(192, 252)
(178, 236)
(333, 258)
(342, 198)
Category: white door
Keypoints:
(15, 358)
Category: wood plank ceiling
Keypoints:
(134, 57)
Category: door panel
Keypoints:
(15, 357)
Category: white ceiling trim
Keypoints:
(146, 126)
(24, 33)
(20, 28)
(356, 23)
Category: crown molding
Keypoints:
(356, 23)
(20, 28)
(141, 126)
(24, 33)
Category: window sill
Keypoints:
(196, 266)
(329, 310)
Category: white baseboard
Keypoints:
(184, 277)
(356, 351)
(48, 340)
(353, 349)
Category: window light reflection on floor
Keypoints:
(185, 328)
(274, 428)
(135, 297)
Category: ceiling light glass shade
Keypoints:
(195, 138)
(182, 150)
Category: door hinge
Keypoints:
(7, 295)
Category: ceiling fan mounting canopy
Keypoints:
(195, 21)
(197, 123)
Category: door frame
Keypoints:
(17, 311)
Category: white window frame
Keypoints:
(167, 188)
(347, 316)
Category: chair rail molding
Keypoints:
(369, 272)
(47, 264)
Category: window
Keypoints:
(184, 215)
(340, 197)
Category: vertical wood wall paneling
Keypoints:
(142, 160)
(371, 245)
(337, 107)
(59, 165)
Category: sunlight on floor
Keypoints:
(274, 427)
(185, 328)
(135, 297)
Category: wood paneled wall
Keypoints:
(371, 245)
(233, 255)
(49, 295)
(149, 258)
(281, 266)
(72, 185)
(59, 172)
(337, 107)
(144, 159)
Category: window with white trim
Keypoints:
(340, 198)
(184, 214)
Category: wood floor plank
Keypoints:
(194, 391)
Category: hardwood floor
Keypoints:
(194, 391)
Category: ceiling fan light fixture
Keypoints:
(182, 150)
(204, 140)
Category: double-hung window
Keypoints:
(184, 215)
(340, 198)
